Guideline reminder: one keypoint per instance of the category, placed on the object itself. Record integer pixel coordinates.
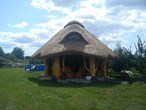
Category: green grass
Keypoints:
(20, 90)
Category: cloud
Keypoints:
(52, 16)
(66, 3)
(109, 32)
(49, 5)
(100, 27)
(36, 44)
(5, 44)
(23, 39)
(127, 3)
(87, 16)
(21, 24)
(111, 39)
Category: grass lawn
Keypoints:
(20, 90)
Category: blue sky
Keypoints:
(16, 11)
(28, 24)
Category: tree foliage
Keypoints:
(126, 59)
(11, 57)
(1, 52)
(123, 60)
(18, 52)
(141, 56)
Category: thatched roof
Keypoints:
(85, 43)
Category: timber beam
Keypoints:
(46, 67)
(104, 69)
(56, 67)
(92, 66)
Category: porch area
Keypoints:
(75, 66)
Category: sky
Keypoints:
(29, 24)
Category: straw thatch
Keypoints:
(89, 44)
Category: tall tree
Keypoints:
(141, 56)
(18, 52)
(123, 60)
(2, 54)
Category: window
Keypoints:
(73, 36)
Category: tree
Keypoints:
(141, 56)
(18, 52)
(2, 54)
(123, 60)
(27, 57)
(140, 48)
(10, 56)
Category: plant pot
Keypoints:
(88, 78)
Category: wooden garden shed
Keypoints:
(74, 52)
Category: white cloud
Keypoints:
(128, 3)
(49, 5)
(21, 24)
(52, 16)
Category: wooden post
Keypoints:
(92, 67)
(46, 68)
(104, 70)
(85, 66)
(56, 67)
(63, 64)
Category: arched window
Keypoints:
(74, 37)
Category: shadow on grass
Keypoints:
(48, 83)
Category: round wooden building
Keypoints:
(74, 52)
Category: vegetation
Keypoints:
(15, 58)
(141, 57)
(126, 60)
(18, 52)
(123, 60)
(2, 52)
(20, 90)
